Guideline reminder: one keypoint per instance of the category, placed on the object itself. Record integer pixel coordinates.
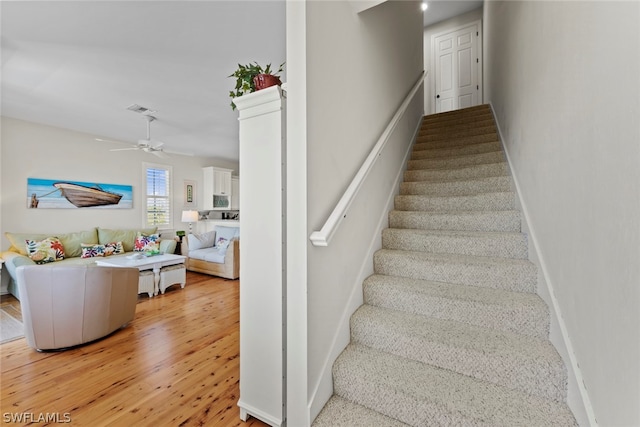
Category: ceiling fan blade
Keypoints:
(124, 149)
(160, 154)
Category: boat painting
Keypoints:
(49, 193)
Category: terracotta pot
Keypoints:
(263, 81)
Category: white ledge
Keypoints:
(259, 102)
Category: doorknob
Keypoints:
(437, 96)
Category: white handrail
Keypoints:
(323, 237)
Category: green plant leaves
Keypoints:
(244, 78)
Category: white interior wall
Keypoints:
(440, 27)
(359, 69)
(31, 150)
(564, 81)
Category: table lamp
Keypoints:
(190, 217)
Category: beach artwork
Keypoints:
(59, 194)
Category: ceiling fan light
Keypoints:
(140, 109)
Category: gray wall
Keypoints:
(359, 69)
(564, 80)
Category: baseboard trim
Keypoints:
(247, 410)
(324, 387)
(564, 347)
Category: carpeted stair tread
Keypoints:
(482, 147)
(502, 201)
(427, 143)
(458, 173)
(340, 412)
(453, 117)
(456, 133)
(511, 360)
(457, 187)
(456, 220)
(458, 126)
(498, 273)
(456, 162)
(423, 395)
(518, 312)
(478, 243)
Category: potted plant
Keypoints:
(253, 77)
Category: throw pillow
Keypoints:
(222, 244)
(126, 236)
(44, 251)
(201, 241)
(227, 232)
(146, 242)
(90, 251)
(113, 248)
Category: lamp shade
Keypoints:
(189, 216)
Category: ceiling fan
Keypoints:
(146, 144)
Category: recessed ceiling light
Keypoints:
(424, 6)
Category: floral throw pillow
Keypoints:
(44, 251)
(146, 243)
(90, 251)
(113, 248)
(222, 244)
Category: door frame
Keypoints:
(432, 60)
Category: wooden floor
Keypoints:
(176, 364)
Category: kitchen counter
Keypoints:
(209, 224)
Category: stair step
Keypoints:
(518, 312)
(456, 162)
(485, 201)
(340, 412)
(465, 172)
(514, 361)
(465, 113)
(498, 273)
(447, 123)
(462, 187)
(433, 153)
(458, 126)
(419, 394)
(426, 142)
(457, 221)
(458, 133)
(477, 243)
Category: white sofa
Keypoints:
(216, 252)
(68, 305)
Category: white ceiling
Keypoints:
(79, 64)
(439, 10)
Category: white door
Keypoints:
(457, 66)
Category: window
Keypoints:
(157, 195)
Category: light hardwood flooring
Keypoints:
(176, 364)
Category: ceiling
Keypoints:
(79, 64)
(439, 10)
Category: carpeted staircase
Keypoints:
(451, 331)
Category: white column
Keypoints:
(262, 255)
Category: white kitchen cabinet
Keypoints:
(235, 193)
(216, 185)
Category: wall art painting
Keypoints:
(190, 194)
(59, 194)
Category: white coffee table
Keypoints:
(155, 263)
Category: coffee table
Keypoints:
(155, 263)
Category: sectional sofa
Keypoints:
(76, 248)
